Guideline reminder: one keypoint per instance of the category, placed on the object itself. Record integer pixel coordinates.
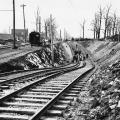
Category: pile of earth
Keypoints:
(63, 54)
(104, 88)
(104, 85)
(100, 98)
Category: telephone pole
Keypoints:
(14, 47)
(13, 31)
(23, 5)
(40, 26)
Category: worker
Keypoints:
(86, 55)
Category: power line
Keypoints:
(14, 41)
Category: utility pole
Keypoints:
(64, 34)
(13, 32)
(45, 30)
(23, 5)
(51, 37)
(36, 24)
(9, 29)
(60, 35)
(83, 31)
(14, 47)
(40, 26)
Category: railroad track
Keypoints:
(8, 86)
(17, 103)
(7, 54)
(30, 71)
(55, 108)
(7, 46)
(13, 54)
(30, 102)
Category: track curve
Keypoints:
(28, 102)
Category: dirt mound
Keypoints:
(103, 50)
(63, 53)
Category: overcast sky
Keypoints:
(68, 13)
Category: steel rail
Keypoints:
(14, 84)
(37, 82)
(36, 72)
(34, 75)
(53, 101)
(32, 70)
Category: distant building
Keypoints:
(20, 34)
(5, 36)
(6, 39)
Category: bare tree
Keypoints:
(106, 17)
(47, 28)
(83, 27)
(97, 23)
(111, 23)
(66, 35)
(97, 29)
(100, 15)
(109, 26)
(114, 23)
(117, 31)
(38, 21)
(117, 28)
(93, 29)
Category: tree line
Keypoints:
(50, 26)
(105, 21)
